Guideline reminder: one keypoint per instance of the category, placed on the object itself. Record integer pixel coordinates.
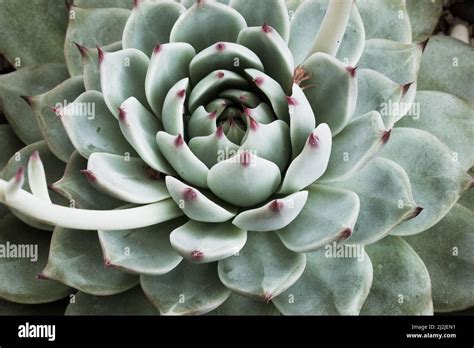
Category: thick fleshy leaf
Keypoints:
(130, 302)
(306, 23)
(401, 284)
(90, 61)
(263, 269)
(390, 99)
(216, 22)
(87, 28)
(263, 113)
(247, 99)
(139, 127)
(386, 200)
(398, 61)
(213, 148)
(331, 89)
(172, 115)
(355, 146)
(424, 16)
(32, 32)
(446, 250)
(385, 19)
(214, 83)
(91, 127)
(54, 170)
(302, 120)
(202, 122)
(238, 304)
(274, 92)
(334, 211)
(197, 206)
(201, 242)
(244, 179)
(273, 13)
(75, 187)
(33, 80)
(453, 61)
(24, 254)
(125, 178)
(182, 159)
(437, 179)
(9, 143)
(271, 48)
(270, 141)
(75, 259)
(46, 108)
(336, 281)
(311, 163)
(169, 64)
(189, 290)
(142, 250)
(273, 215)
(122, 75)
(223, 55)
(143, 29)
(447, 117)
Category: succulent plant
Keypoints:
(235, 157)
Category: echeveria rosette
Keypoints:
(230, 144)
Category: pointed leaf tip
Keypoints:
(386, 136)
(89, 175)
(82, 49)
(27, 99)
(352, 70)
(101, 54)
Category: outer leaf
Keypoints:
(390, 99)
(143, 250)
(125, 178)
(32, 32)
(447, 117)
(437, 179)
(331, 90)
(189, 289)
(122, 75)
(46, 108)
(19, 282)
(334, 211)
(385, 19)
(169, 64)
(9, 143)
(274, 13)
(216, 22)
(446, 250)
(77, 189)
(237, 304)
(75, 259)
(401, 283)
(306, 23)
(271, 48)
(130, 302)
(201, 242)
(263, 269)
(92, 128)
(355, 146)
(244, 179)
(86, 27)
(453, 61)
(150, 23)
(424, 16)
(399, 62)
(385, 197)
(32, 80)
(329, 285)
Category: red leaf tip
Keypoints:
(179, 140)
(220, 46)
(89, 175)
(197, 255)
(276, 206)
(313, 140)
(352, 70)
(266, 28)
(386, 136)
(101, 54)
